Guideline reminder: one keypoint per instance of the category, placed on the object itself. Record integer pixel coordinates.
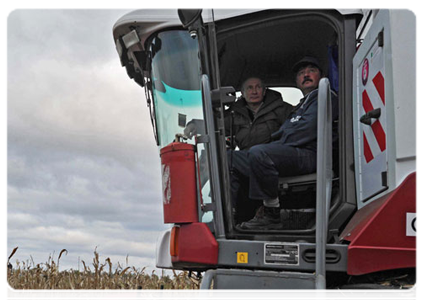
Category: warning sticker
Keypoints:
(242, 257)
(281, 254)
(365, 71)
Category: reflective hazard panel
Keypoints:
(370, 115)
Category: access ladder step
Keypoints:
(254, 279)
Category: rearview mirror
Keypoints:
(191, 20)
(189, 16)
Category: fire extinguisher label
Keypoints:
(166, 183)
(411, 224)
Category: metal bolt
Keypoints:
(193, 34)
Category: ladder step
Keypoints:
(250, 279)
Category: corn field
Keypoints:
(98, 276)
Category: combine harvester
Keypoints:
(357, 227)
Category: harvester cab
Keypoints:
(355, 215)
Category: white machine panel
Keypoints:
(372, 131)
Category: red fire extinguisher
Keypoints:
(179, 183)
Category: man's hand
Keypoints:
(194, 127)
(190, 130)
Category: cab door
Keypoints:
(371, 108)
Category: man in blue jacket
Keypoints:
(294, 153)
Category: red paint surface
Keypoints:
(379, 83)
(179, 185)
(367, 104)
(377, 232)
(379, 134)
(196, 245)
(367, 151)
(377, 128)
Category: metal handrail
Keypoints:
(213, 162)
(324, 177)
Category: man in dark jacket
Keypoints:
(294, 153)
(252, 120)
(256, 115)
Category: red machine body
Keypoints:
(378, 232)
(194, 243)
(190, 77)
(179, 183)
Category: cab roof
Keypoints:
(149, 21)
(252, 42)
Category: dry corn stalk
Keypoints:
(47, 276)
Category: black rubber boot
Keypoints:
(270, 219)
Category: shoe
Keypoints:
(259, 212)
(268, 218)
(240, 218)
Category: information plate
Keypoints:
(281, 254)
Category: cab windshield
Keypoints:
(176, 89)
(175, 83)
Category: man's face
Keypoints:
(308, 78)
(253, 91)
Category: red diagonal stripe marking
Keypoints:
(367, 151)
(379, 83)
(367, 104)
(379, 134)
(376, 126)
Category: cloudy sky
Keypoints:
(83, 168)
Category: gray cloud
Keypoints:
(83, 167)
